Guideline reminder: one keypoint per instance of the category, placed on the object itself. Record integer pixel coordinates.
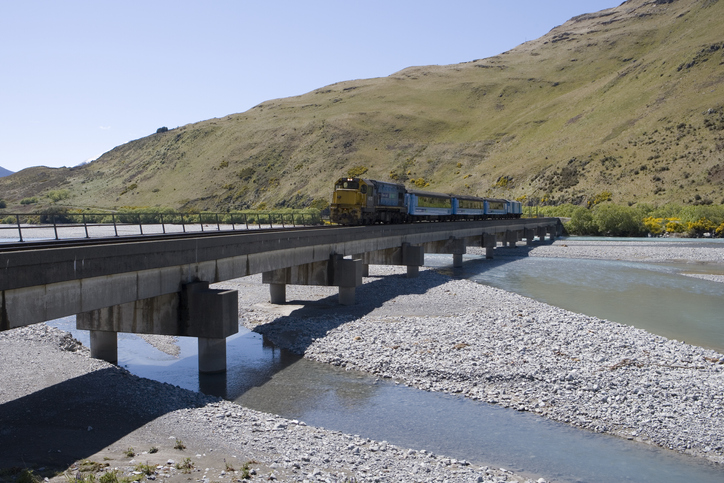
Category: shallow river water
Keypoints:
(657, 298)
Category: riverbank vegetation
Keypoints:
(609, 219)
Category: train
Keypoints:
(359, 201)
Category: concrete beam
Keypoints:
(211, 315)
(195, 312)
(455, 246)
(336, 272)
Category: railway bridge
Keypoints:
(161, 285)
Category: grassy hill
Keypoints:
(626, 104)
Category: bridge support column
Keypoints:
(457, 247)
(212, 355)
(278, 293)
(511, 238)
(489, 242)
(347, 275)
(337, 271)
(529, 235)
(196, 311)
(411, 256)
(414, 258)
(365, 266)
(457, 260)
(552, 232)
(104, 345)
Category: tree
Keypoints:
(582, 223)
(614, 220)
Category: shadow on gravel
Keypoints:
(75, 419)
(297, 331)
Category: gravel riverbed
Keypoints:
(60, 406)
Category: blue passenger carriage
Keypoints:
(425, 205)
(469, 207)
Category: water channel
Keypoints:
(268, 379)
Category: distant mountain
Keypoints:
(4, 172)
(625, 104)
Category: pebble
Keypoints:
(457, 336)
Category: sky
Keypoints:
(78, 78)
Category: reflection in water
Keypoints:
(355, 403)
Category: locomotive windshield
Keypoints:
(347, 185)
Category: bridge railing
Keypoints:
(21, 227)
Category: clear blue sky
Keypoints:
(78, 78)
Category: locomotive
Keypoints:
(359, 201)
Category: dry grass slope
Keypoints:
(629, 101)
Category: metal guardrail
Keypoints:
(59, 226)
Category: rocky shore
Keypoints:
(60, 407)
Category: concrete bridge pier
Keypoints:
(212, 355)
(341, 272)
(196, 311)
(529, 235)
(457, 247)
(511, 238)
(411, 256)
(490, 241)
(414, 258)
(278, 293)
(104, 345)
(552, 232)
(365, 266)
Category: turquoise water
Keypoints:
(658, 298)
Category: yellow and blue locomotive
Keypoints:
(359, 201)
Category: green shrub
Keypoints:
(582, 223)
(29, 201)
(3, 204)
(614, 220)
(356, 171)
(565, 210)
(58, 195)
(697, 228)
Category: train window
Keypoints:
(433, 202)
(363, 189)
(350, 185)
(496, 205)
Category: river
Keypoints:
(655, 297)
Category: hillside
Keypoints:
(5, 172)
(627, 101)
